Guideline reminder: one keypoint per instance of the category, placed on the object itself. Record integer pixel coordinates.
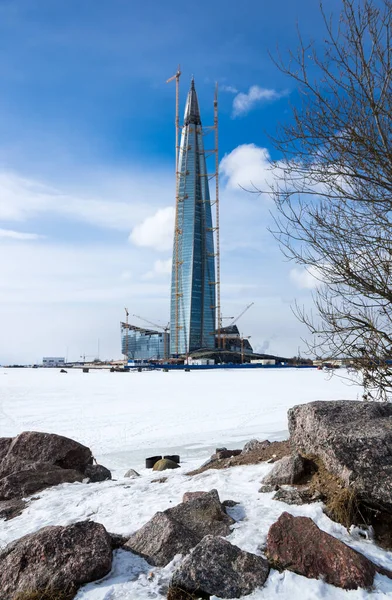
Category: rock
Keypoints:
(227, 454)
(229, 503)
(222, 449)
(5, 443)
(178, 529)
(63, 371)
(267, 489)
(11, 508)
(216, 567)
(62, 558)
(204, 515)
(159, 540)
(354, 441)
(132, 474)
(97, 473)
(293, 496)
(254, 444)
(165, 463)
(117, 540)
(192, 495)
(297, 544)
(36, 447)
(287, 470)
(35, 477)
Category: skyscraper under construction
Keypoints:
(193, 305)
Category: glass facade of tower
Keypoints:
(193, 275)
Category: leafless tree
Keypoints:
(333, 187)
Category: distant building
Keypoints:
(53, 361)
(231, 341)
(192, 316)
(139, 343)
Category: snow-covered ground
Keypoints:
(125, 417)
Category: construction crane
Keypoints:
(126, 335)
(177, 227)
(224, 335)
(164, 329)
(241, 314)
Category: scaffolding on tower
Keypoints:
(178, 229)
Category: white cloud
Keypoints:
(113, 202)
(155, 231)
(18, 235)
(161, 268)
(246, 166)
(228, 88)
(306, 278)
(243, 103)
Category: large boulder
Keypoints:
(57, 558)
(297, 544)
(216, 567)
(160, 539)
(354, 441)
(34, 446)
(35, 477)
(178, 529)
(203, 515)
(287, 470)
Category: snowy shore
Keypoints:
(126, 417)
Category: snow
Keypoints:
(124, 418)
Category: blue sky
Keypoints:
(86, 164)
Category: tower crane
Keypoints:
(164, 329)
(224, 335)
(241, 314)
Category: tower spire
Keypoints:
(192, 113)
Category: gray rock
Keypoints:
(159, 540)
(165, 463)
(354, 441)
(254, 444)
(293, 496)
(33, 446)
(97, 473)
(132, 474)
(35, 477)
(5, 443)
(267, 489)
(59, 558)
(216, 567)
(204, 515)
(287, 470)
(178, 529)
(229, 503)
(11, 508)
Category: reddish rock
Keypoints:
(59, 558)
(58, 450)
(297, 544)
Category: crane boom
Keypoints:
(151, 323)
(241, 314)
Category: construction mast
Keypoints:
(177, 227)
(217, 238)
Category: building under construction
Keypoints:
(195, 311)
